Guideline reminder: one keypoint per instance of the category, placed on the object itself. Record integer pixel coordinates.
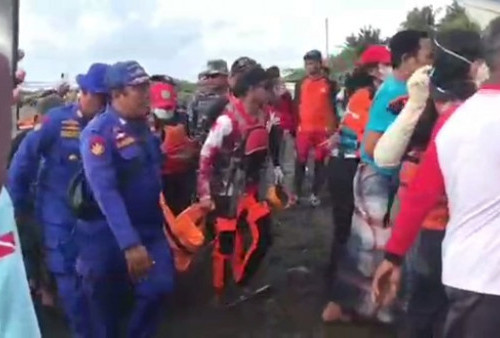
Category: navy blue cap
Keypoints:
(123, 74)
(314, 55)
(93, 81)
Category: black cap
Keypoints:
(242, 64)
(314, 55)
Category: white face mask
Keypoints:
(384, 71)
(483, 74)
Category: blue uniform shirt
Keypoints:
(381, 118)
(122, 163)
(50, 157)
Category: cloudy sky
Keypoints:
(176, 37)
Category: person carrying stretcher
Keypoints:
(231, 163)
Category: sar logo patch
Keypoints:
(165, 94)
(97, 146)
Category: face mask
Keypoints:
(483, 73)
(280, 88)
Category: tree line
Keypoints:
(423, 18)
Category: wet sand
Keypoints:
(294, 268)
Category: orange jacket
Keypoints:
(437, 218)
(315, 104)
(358, 112)
(180, 150)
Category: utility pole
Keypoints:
(327, 49)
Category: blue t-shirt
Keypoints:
(381, 117)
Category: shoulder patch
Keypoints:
(97, 145)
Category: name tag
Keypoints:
(125, 142)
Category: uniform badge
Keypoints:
(73, 157)
(97, 146)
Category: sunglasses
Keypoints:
(215, 76)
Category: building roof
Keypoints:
(482, 11)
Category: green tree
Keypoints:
(457, 18)
(359, 41)
(423, 19)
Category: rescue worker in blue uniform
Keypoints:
(48, 158)
(124, 250)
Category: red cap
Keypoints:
(375, 54)
(163, 96)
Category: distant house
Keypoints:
(482, 11)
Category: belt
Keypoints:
(342, 154)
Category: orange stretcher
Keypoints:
(185, 233)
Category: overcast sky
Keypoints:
(176, 37)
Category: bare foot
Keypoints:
(333, 313)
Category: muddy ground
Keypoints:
(294, 267)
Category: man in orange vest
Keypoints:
(314, 97)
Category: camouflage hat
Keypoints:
(47, 103)
(216, 67)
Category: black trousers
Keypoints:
(472, 315)
(179, 190)
(427, 301)
(341, 172)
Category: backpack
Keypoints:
(81, 199)
(80, 196)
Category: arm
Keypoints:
(370, 141)
(379, 120)
(101, 176)
(333, 96)
(221, 129)
(275, 137)
(392, 145)
(296, 102)
(421, 197)
(23, 169)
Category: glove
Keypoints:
(418, 87)
(278, 175)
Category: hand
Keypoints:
(333, 141)
(206, 204)
(138, 262)
(418, 86)
(278, 175)
(386, 283)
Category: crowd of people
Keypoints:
(105, 189)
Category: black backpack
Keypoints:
(81, 198)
